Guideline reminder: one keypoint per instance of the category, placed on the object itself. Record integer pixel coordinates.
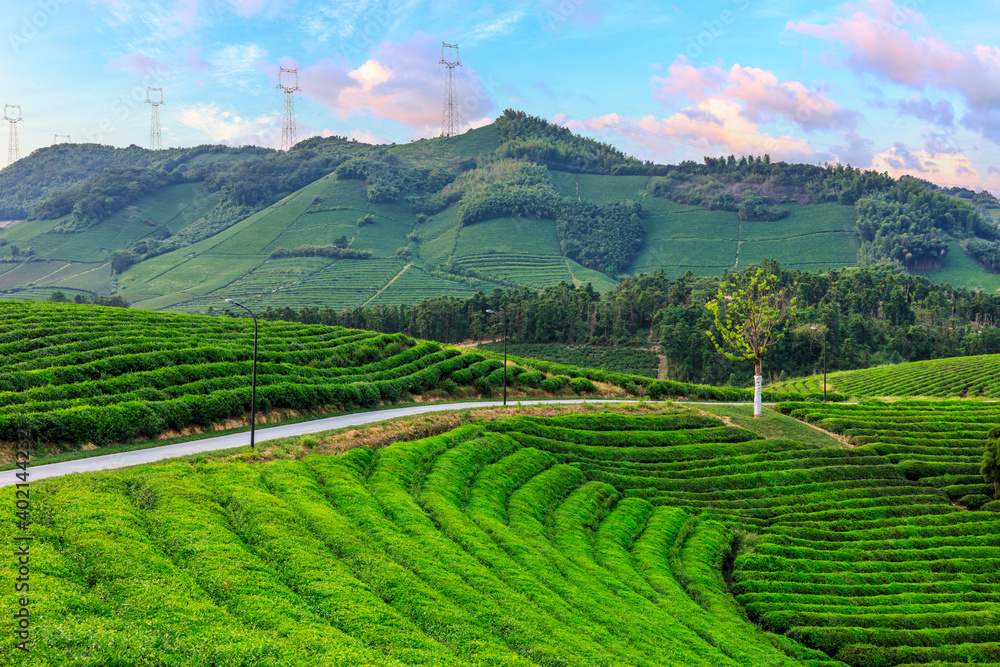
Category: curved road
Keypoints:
(140, 456)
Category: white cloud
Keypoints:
(236, 65)
(227, 127)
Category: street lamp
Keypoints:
(253, 385)
(824, 359)
(493, 312)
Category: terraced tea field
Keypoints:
(414, 285)
(971, 377)
(579, 539)
(619, 360)
(74, 374)
(532, 270)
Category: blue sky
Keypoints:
(908, 87)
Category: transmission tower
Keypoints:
(155, 141)
(449, 126)
(289, 84)
(64, 137)
(13, 147)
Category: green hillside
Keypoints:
(518, 203)
(78, 375)
(583, 538)
(971, 377)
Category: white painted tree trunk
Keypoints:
(758, 410)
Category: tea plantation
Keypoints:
(967, 377)
(578, 539)
(75, 375)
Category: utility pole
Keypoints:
(155, 141)
(289, 84)
(13, 147)
(451, 60)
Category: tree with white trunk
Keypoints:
(749, 310)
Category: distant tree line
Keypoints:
(873, 315)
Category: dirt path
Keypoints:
(52, 274)
(386, 286)
(833, 435)
(661, 371)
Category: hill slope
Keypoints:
(519, 203)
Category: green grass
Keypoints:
(415, 285)
(811, 238)
(449, 150)
(773, 425)
(582, 275)
(170, 209)
(605, 189)
(958, 268)
(509, 235)
(681, 238)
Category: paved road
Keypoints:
(140, 456)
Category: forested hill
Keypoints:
(28, 182)
(520, 203)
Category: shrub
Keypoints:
(447, 385)
(530, 379)
(484, 386)
(582, 385)
(555, 383)
(463, 376)
(974, 501)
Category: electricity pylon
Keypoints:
(155, 141)
(64, 137)
(289, 84)
(449, 124)
(13, 147)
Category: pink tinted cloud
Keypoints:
(715, 126)
(946, 168)
(138, 63)
(761, 96)
(182, 18)
(193, 60)
(878, 41)
(247, 8)
(401, 81)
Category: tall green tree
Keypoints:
(749, 310)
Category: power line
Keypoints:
(449, 123)
(155, 140)
(289, 84)
(64, 137)
(13, 147)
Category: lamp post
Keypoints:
(824, 359)
(253, 384)
(493, 312)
